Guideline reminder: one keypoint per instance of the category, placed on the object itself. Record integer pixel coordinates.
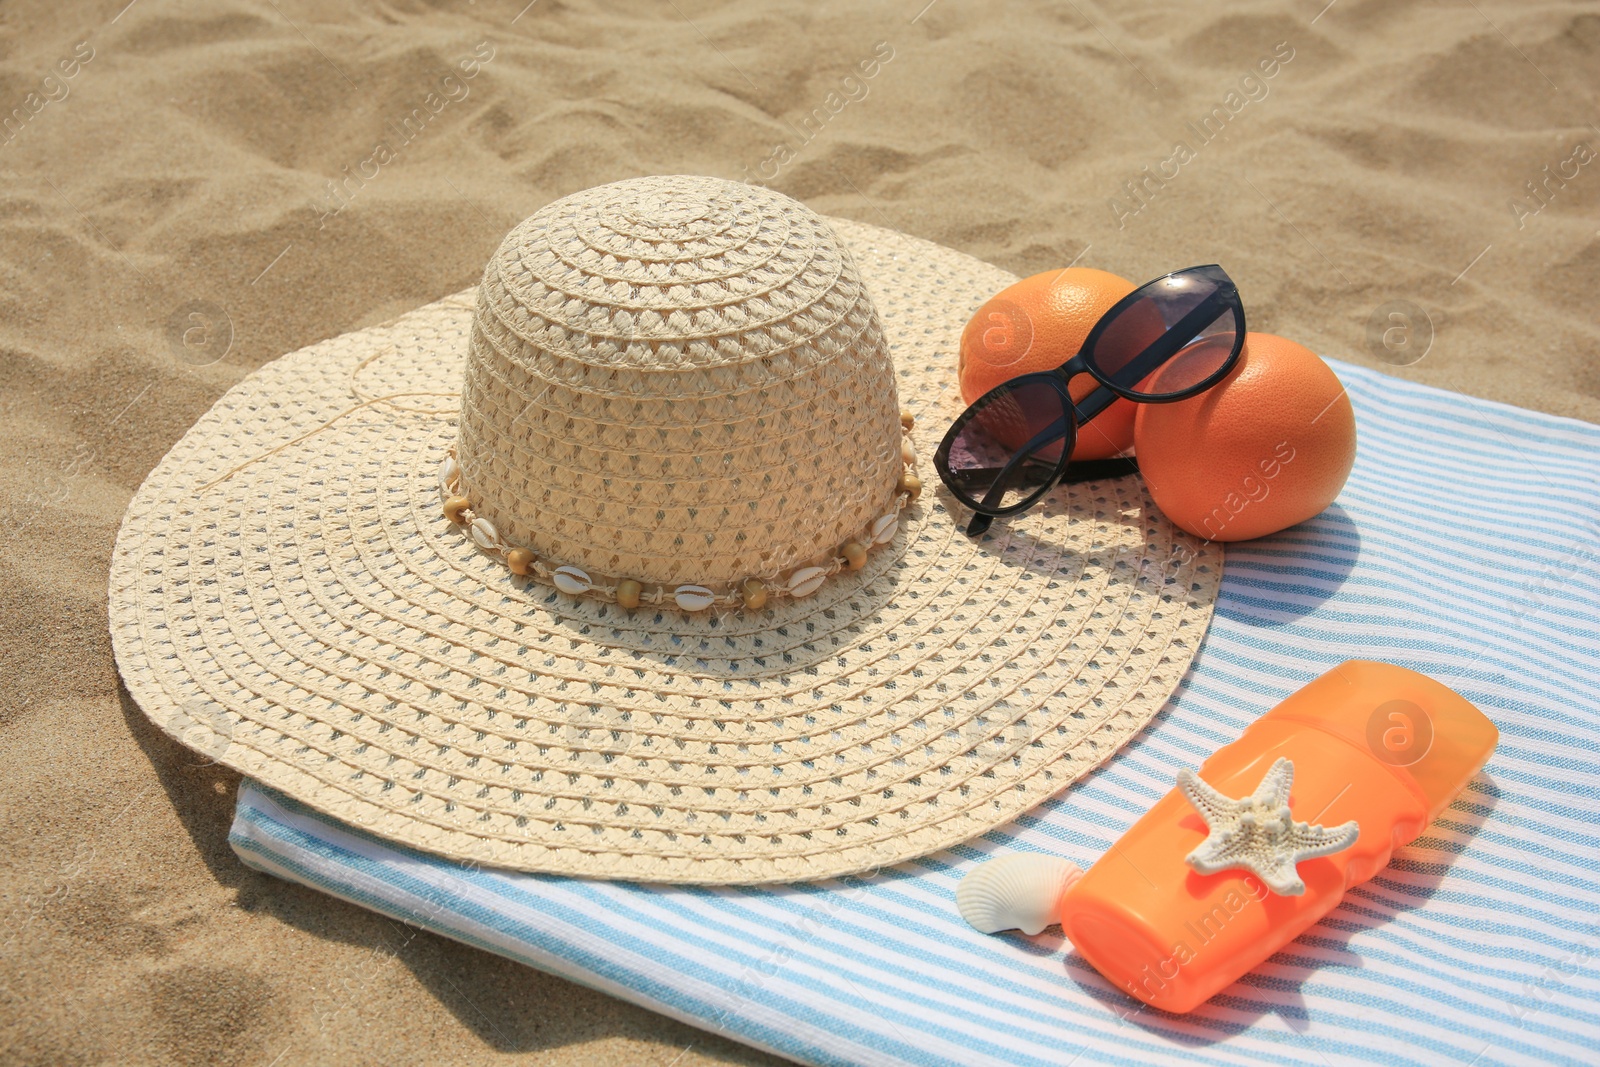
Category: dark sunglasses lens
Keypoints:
(1122, 353)
(1195, 363)
(1009, 445)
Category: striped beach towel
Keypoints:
(1466, 546)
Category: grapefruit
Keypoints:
(1267, 447)
(1036, 325)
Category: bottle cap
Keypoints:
(1426, 733)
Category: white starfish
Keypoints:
(1258, 833)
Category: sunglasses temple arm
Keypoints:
(1050, 434)
(1085, 470)
(1054, 432)
(1162, 349)
(1174, 340)
(1093, 470)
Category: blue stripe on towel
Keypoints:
(1466, 546)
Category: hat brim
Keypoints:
(314, 622)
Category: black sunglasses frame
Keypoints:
(1076, 414)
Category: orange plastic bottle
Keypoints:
(1379, 744)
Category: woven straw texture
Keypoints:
(678, 379)
(315, 623)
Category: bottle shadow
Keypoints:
(1407, 883)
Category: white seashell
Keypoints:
(571, 580)
(806, 580)
(885, 527)
(449, 474)
(485, 534)
(694, 597)
(1021, 891)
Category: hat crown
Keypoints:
(677, 379)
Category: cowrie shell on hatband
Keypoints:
(884, 529)
(449, 475)
(694, 597)
(571, 580)
(484, 533)
(806, 580)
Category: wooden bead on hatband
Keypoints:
(855, 554)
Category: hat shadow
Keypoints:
(506, 1004)
(1239, 1006)
(200, 790)
(488, 994)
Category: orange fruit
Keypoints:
(1268, 446)
(1036, 325)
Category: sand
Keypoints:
(168, 226)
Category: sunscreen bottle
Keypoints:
(1230, 866)
(1370, 742)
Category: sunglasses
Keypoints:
(1167, 340)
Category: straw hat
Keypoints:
(394, 574)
